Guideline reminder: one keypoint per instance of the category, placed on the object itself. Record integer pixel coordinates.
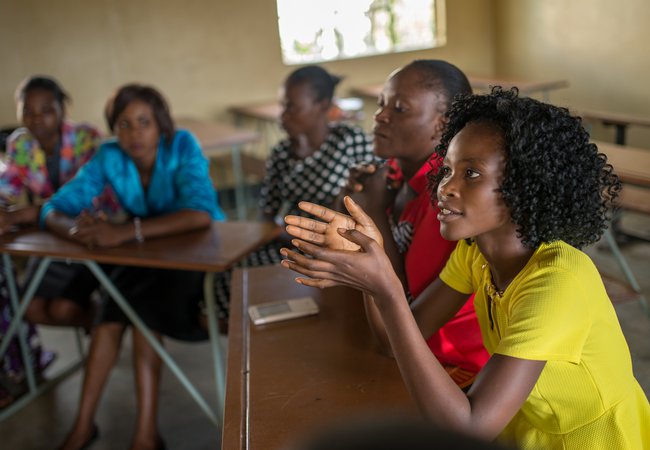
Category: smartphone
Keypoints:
(282, 310)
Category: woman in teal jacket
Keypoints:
(161, 185)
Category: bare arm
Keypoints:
(96, 231)
(368, 187)
(500, 388)
(430, 311)
(18, 216)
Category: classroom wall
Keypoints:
(204, 54)
(600, 46)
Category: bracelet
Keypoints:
(138, 230)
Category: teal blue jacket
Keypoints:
(180, 180)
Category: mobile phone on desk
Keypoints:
(282, 310)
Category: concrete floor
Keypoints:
(43, 423)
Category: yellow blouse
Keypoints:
(556, 309)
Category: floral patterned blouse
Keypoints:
(24, 169)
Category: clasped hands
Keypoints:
(338, 249)
(94, 230)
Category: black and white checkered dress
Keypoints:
(289, 180)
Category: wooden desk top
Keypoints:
(614, 118)
(215, 136)
(479, 84)
(211, 250)
(269, 111)
(631, 164)
(287, 378)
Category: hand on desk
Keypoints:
(96, 231)
(6, 223)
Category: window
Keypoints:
(324, 30)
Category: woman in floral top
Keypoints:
(40, 157)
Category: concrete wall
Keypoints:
(203, 54)
(600, 46)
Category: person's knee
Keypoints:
(64, 312)
(36, 311)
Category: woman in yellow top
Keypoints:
(522, 189)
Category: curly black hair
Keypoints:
(556, 183)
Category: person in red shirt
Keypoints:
(408, 125)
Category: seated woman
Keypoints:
(311, 164)
(160, 179)
(40, 157)
(408, 126)
(521, 189)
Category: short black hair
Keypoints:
(43, 82)
(441, 76)
(321, 81)
(556, 183)
(147, 94)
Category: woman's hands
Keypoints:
(6, 222)
(344, 254)
(96, 231)
(358, 176)
(372, 186)
(325, 232)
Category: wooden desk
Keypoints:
(212, 250)
(286, 378)
(372, 91)
(271, 111)
(214, 138)
(267, 111)
(617, 120)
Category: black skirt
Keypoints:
(167, 301)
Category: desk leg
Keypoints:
(240, 196)
(16, 322)
(622, 262)
(133, 317)
(19, 312)
(219, 370)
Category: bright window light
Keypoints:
(324, 30)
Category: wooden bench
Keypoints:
(617, 120)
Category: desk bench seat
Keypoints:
(635, 198)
